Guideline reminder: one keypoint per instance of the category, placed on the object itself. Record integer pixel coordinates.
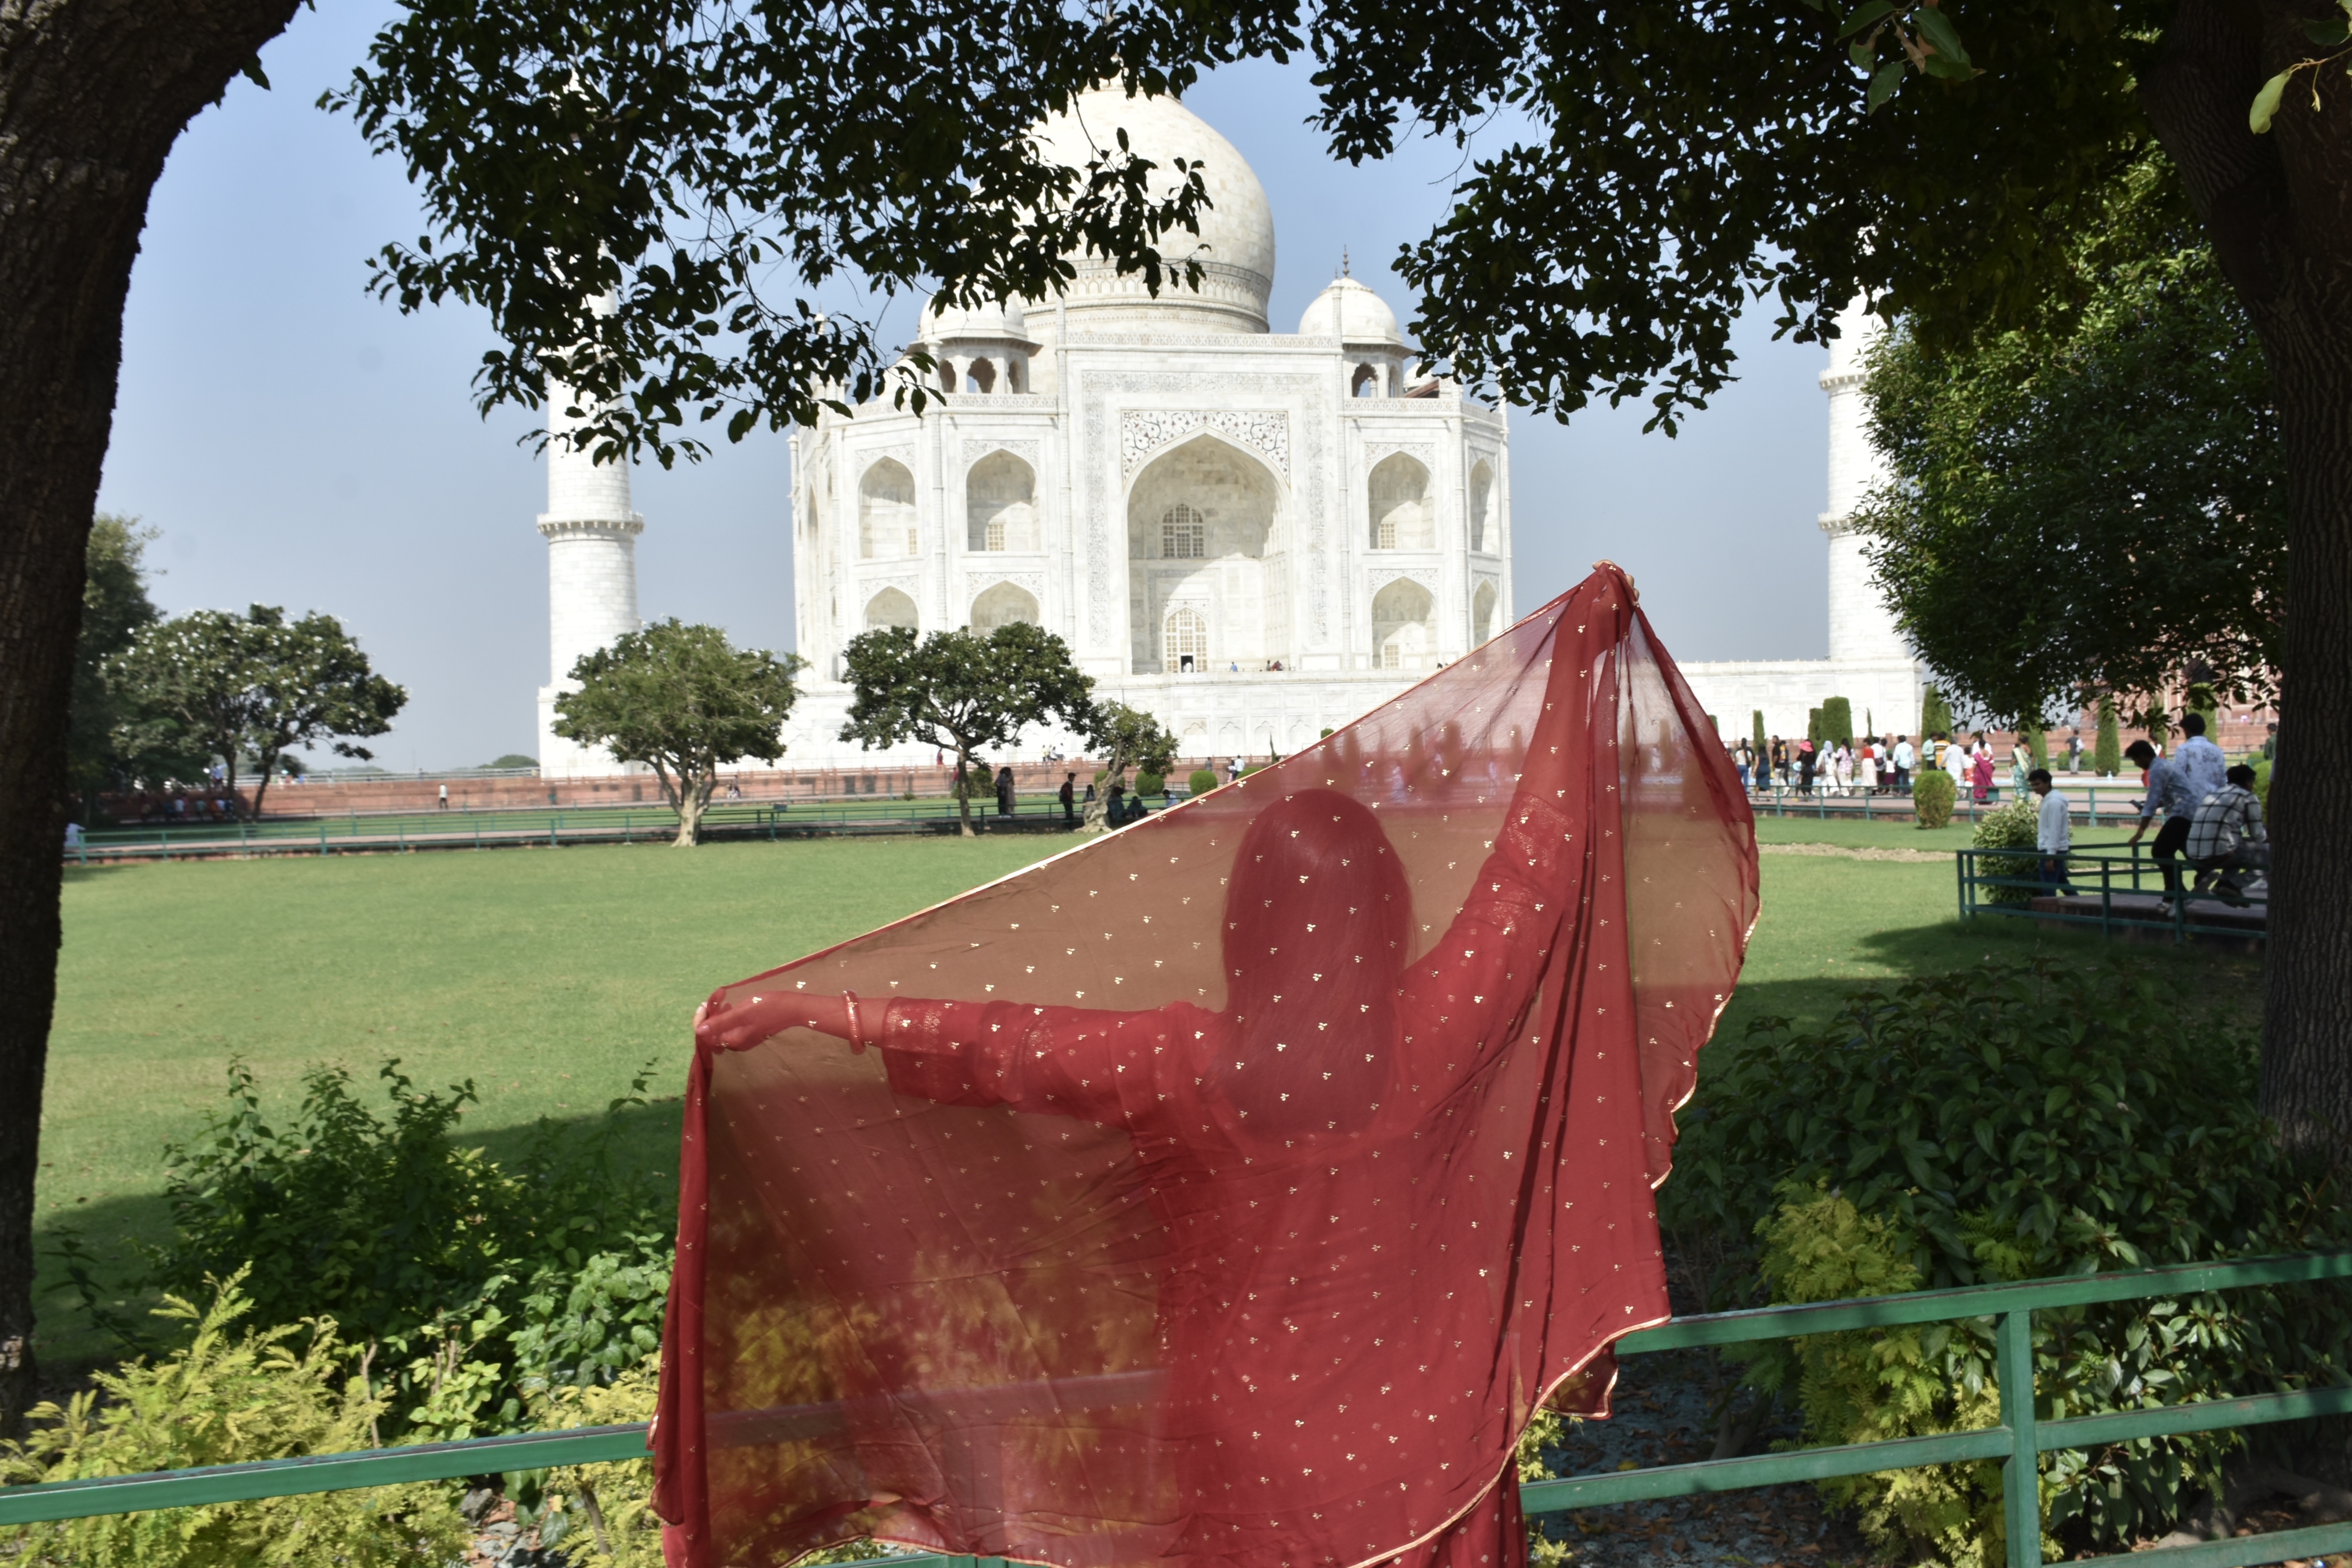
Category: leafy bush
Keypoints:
(2107, 744)
(2012, 1122)
(1201, 782)
(599, 1514)
(1151, 784)
(1933, 796)
(471, 1281)
(268, 1393)
(2012, 826)
(1837, 720)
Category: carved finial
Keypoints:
(1344, 268)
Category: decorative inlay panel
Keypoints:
(1421, 452)
(974, 448)
(1144, 431)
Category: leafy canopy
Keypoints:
(721, 171)
(961, 691)
(679, 699)
(255, 685)
(101, 740)
(2098, 500)
(714, 166)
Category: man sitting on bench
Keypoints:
(2226, 835)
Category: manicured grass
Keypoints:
(549, 976)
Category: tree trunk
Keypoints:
(694, 799)
(93, 95)
(963, 791)
(2278, 208)
(1098, 809)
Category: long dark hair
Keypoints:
(1317, 913)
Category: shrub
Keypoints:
(467, 1279)
(1151, 783)
(266, 1393)
(1837, 720)
(1933, 796)
(2107, 747)
(1935, 713)
(1201, 782)
(2012, 826)
(2012, 1122)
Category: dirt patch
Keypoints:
(1917, 857)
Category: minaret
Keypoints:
(1861, 626)
(592, 575)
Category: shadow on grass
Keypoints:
(119, 1236)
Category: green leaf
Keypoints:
(1937, 29)
(253, 73)
(1951, 69)
(2266, 103)
(1874, 11)
(2327, 34)
(1882, 84)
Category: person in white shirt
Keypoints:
(2053, 831)
(1905, 757)
(2199, 760)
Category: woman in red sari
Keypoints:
(1383, 1212)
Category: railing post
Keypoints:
(2020, 1473)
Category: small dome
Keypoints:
(987, 320)
(1351, 312)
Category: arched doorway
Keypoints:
(1400, 505)
(1402, 631)
(1000, 505)
(886, 511)
(890, 607)
(1001, 605)
(1482, 497)
(1482, 615)
(1184, 641)
(1204, 529)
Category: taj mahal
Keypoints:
(1253, 535)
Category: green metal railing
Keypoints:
(2104, 873)
(1826, 803)
(361, 833)
(2017, 1443)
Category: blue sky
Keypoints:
(296, 442)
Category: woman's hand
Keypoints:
(844, 1018)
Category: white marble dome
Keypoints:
(1235, 245)
(1351, 312)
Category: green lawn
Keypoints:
(549, 976)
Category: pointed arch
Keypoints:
(1002, 605)
(886, 511)
(891, 607)
(1000, 505)
(1398, 493)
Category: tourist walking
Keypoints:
(2169, 791)
(1004, 792)
(2053, 831)
(1904, 758)
(1806, 762)
(1866, 770)
(1069, 797)
(445, 797)
(1980, 774)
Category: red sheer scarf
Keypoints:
(1230, 1190)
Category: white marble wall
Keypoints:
(1861, 626)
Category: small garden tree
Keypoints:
(680, 699)
(255, 685)
(961, 691)
(1837, 720)
(2108, 748)
(1935, 713)
(1124, 737)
